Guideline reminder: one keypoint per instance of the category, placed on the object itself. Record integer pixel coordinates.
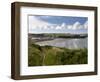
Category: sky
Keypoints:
(57, 24)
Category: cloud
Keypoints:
(86, 25)
(58, 27)
(35, 23)
(63, 25)
(76, 25)
(69, 27)
(38, 25)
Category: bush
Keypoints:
(34, 56)
(48, 55)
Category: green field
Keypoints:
(48, 55)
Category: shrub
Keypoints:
(48, 55)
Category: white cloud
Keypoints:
(38, 24)
(86, 25)
(45, 27)
(35, 23)
(51, 27)
(69, 26)
(76, 25)
(58, 27)
(63, 25)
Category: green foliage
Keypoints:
(48, 55)
(50, 58)
(34, 56)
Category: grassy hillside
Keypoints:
(48, 55)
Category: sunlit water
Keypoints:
(67, 43)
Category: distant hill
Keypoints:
(58, 35)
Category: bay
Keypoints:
(71, 43)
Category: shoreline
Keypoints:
(49, 39)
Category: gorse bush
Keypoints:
(48, 55)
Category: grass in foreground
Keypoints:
(48, 55)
